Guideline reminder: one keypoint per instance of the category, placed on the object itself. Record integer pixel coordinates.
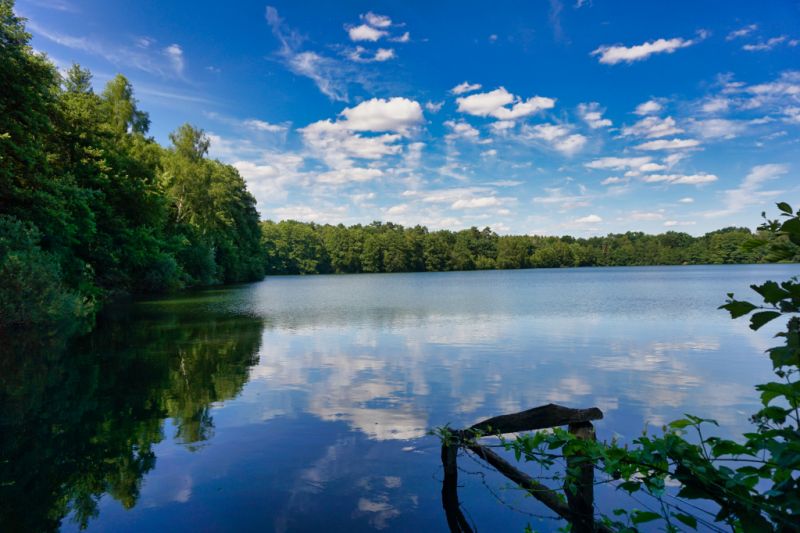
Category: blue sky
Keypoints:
(549, 117)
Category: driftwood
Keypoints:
(579, 509)
(546, 416)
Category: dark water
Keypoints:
(302, 403)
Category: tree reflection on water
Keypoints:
(80, 421)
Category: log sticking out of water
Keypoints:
(539, 491)
(546, 416)
(579, 508)
(452, 508)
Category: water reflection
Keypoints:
(81, 422)
(303, 403)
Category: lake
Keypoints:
(303, 403)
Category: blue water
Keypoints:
(319, 420)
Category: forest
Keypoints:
(92, 208)
(307, 248)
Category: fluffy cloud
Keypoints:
(648, 108)
(260, 125)
(175, 55)
(652, 128)
(494, 103)
(462, 130)
(592, 114)
(718, 128)
(611, 55)
(433, 107)
(465, 87)
(669, 144)
(395, 114)
(557, 136)
(362, 55)
(589, 219)
(680, 179)
(375, 20)
(618, 163)
(365, 32)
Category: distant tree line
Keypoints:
(92, 207)
(307, 248)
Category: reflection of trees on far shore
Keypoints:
(79, 422)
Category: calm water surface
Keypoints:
(302, 403)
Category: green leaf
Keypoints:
(783, 206)
(680, 424)
(737, 308)
(761, 318)
(640, 517)
(689, 520)
(771, 291)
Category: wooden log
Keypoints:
(452, 509)
(579, 482)
(539, 491)
(545, 416)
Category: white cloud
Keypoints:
(465, 87)
(398, 209)
(589, 219)
(395, 114)
(502, 125)
(750, 192)
(375, 20)
(716, 105)
(476, 203)
(653, 127)
(671, 144)
(168, 63)
(686, 200)
(433, 107)
(611, 55)
(613, 180)
(680, 179)
(493, 103)
(489, 153)
(673, 223)
(330, 76)
(718, 128)
(618, 163)
(648, 108)
(462, 130)
(557, 136)
(365, 33)
(644, 216)
(592, 114)
(260, 125)
(764, 46)
(362, 55)
(175, 55)
(402, 38)
(741, 32)
(341, 176)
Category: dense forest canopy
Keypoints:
(92, 207)
(306, 248)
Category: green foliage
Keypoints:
(113, 212)
(32, 293)
(293, 247)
